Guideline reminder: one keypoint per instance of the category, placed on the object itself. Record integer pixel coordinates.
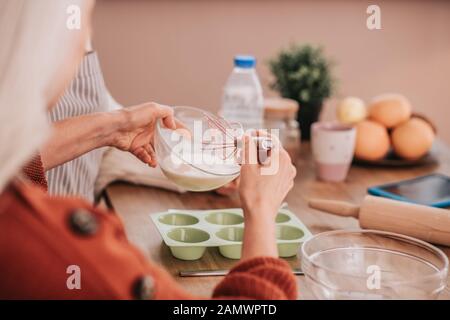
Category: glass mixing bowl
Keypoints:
(369, 264)
(185, 160)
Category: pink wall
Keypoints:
(180, 52)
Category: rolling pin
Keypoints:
(419, 221)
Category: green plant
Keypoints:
(303, 73)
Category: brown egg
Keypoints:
(390, 109)
(372, 140)
(413, 139)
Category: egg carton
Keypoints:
(189, 232)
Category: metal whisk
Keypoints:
(230, 139)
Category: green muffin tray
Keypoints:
(189, 232)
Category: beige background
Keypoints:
(180, 52)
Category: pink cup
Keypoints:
(333, 145)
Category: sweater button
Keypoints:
(83, 222)
(144, 288)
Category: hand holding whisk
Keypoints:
(227, 139)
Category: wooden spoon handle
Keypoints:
(340, 208)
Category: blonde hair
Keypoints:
(33, 38)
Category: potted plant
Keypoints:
(303, 73)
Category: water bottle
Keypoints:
(242, 97)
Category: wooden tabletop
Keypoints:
(135, 203)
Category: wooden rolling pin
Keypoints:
(419, 221)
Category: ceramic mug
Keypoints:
(333, 145)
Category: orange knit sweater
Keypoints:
(39, 243)
(34, 171)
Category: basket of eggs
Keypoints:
(388, 133)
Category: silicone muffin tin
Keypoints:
(189, 232)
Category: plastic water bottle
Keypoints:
(243, 98)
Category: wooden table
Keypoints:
(135, 203)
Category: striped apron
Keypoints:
(86, 94)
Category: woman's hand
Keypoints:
(261, 196)
(136, 130)
(129, 129)
(260, 191)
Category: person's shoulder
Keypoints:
(73, 217)
(48, 240)
(50, 210)
(43, 238)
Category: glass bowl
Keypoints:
(369, 264)
(185, 160)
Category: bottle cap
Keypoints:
(243, 61)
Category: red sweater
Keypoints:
(42, 236)
(35, 172)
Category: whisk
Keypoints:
(230, 139)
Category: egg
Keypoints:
(413, 139)
(372, 141)
(351, 110)
(390, 110)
